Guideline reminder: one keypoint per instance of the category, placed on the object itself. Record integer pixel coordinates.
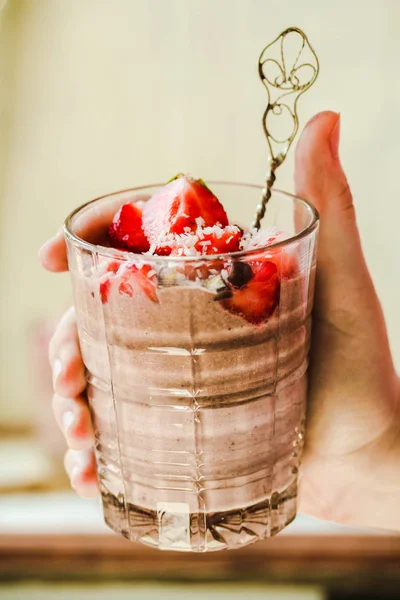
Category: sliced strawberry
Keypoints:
(126, 232)
(289, 264)
(286, 259)
(113, 266)
(286, 262)
(198, 270)
(143, 278)
(104, 289)
(257, 299)
(205, 241)
(220, 242)
(177, 207)
(130, 277)
(125, 289)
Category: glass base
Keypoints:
(200, 532)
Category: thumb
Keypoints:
(350, 356)
(343, 278)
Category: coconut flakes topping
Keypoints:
(184, 244)
(264, 237)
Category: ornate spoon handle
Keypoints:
(285, 80)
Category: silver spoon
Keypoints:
(284, 84)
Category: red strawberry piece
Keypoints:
(290, 265)
(175, 208)
(104, 289)
(113, 266)
(258, 298)
(105, 283)
(144, 279)
(220, 243)
(205, 241)
(195, 270)
(286, 261)
(209, 240)
(125, 289)
(126, 231)
(131, 277)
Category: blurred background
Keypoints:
(100, 95)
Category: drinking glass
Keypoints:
(198, 411)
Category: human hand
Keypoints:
(351, 465)
(69, 400)
(70, 406)
(352, 453)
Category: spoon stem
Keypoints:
(266, 194)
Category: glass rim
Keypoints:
(126, 255)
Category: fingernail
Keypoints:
(334, 137)
(67, 421)
(57, 368)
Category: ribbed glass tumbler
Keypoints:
(198, 407)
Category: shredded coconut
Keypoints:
(199, 233)
(193, 243)
(264, 237)
(200, 222)
(151, 250)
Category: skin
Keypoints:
(351, 465)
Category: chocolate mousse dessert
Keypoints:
(195, 334)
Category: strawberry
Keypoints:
(289, 264)
(222, 242)
(105, 290)
(113, 266)
(177, 207)
(205, 241)
(208, 240)
(127, 278)
(258, 297)
(142, 277)
(125, 289)
(287, 259)
(126, 231)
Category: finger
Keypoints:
(320, 179)
(350, 351)
(53, 253)
(65, 358)
(74, 419)
(80, 466)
